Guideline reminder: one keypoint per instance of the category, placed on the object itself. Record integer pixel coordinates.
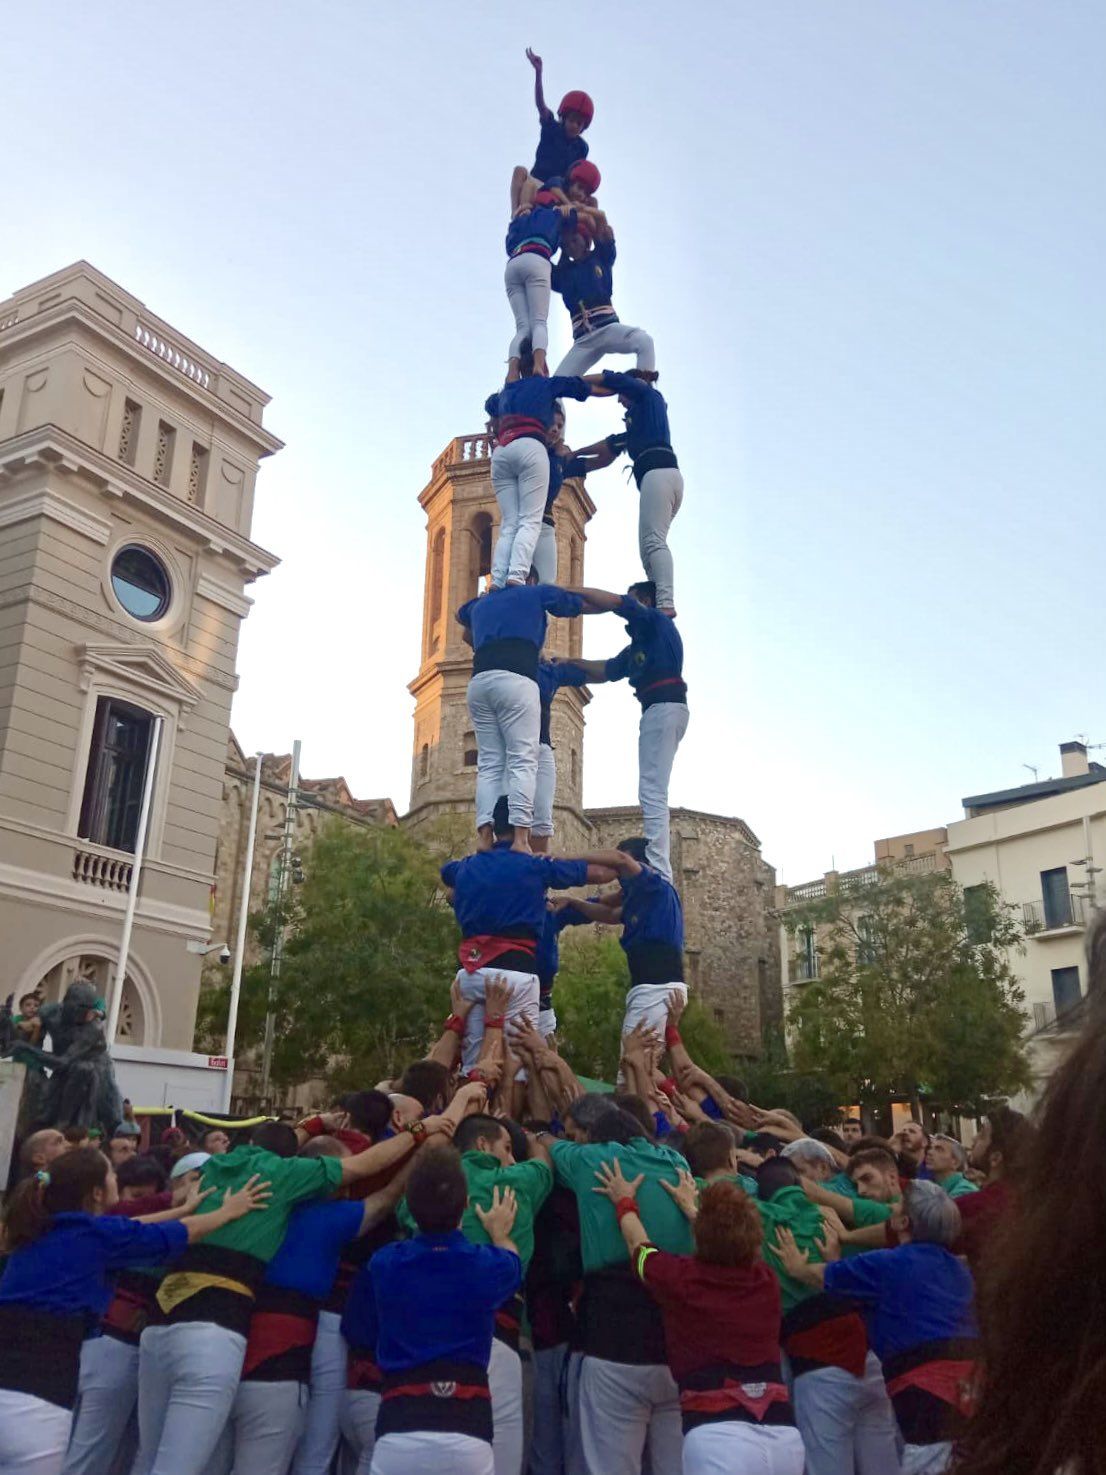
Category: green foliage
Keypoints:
(909, 999)
(370, 952)
(590, 1000)
(773, 1082)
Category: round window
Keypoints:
(141, 583)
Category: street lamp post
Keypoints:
(275, 961)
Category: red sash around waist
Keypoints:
(481, 952)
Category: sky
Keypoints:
(867, 237)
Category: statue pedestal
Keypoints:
(11, 1093)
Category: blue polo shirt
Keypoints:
(653, 662)
(541, 227)
(548, 958)
(651, 911)
(914, 1294)
(65, 1271)
(307, 1261)
(501, 892)
(646, 417)
(588, 282)
(561, 467)
(556, 151)
(552, 675)
(508, 625)
(433, 1298)
(532, 399)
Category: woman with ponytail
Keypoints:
(63, 1246)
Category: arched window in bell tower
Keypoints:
(480, 553)
(437, 587)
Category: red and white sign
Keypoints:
(217, 1062)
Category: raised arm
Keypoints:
(447, 1049)
(598, 455)
(594, 911)
(544, 113)
(600, 601)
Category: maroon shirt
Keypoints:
(714, 1313)
(980, 1215)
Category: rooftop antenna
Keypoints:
(1032, 770)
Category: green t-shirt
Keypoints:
(748, 1184)
(843, 1184)
(956, 1185)
(789, 1208)
(292, 1179)
(867, 1212)
(531, 1181)
(575, 1165)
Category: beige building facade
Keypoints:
(1043, 846)
(128, 462)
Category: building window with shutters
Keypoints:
(128, 431)
(163, 456)
(116, 774)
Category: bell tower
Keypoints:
(461, 521)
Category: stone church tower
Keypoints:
(461, 518)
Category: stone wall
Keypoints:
(732, 939)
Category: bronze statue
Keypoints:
(81, 1090)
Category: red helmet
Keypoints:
(545, 197)
(577, 102)
(584, 172)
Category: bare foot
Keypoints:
(484, 838)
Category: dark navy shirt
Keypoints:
(589, 281)
(533, 398)
(317, 1234)
(914, 1294)
(556, 151)
(548, 958)
(653, 662)
(430, 1299)
(561, 467)
(646, 417)
(552, 675)
(517, 613)
(65, 1271)
(502, 888)
(651, 910)
(542, 226)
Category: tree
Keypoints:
(916, 993)
(369, 955)
(590, 1000)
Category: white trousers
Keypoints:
(432, 1454)
(623, 1408)
(547, 1447)
(545, 791)
(264, 1427)
(927, 1459)
(33, 1434)
(523, 1004)
(547, 1025)
(647, 1003)
(359, 1410)
(743, 1449)
(329, 1359)
(662, 492)
(506, 717)
(570, 1407)
(847, 1423)
(545, 554)
(188, 1375)
(528, 281)
(660, 733)
(614, 338)
(505, 1386)
(520, 479)
(106, 1402)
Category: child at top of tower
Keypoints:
(560, 144)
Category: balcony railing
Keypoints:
(806, 968)
(1059, 915)
(95, 865)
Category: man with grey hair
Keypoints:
(812, 1158)
(918, 1304)
(946, 1161)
